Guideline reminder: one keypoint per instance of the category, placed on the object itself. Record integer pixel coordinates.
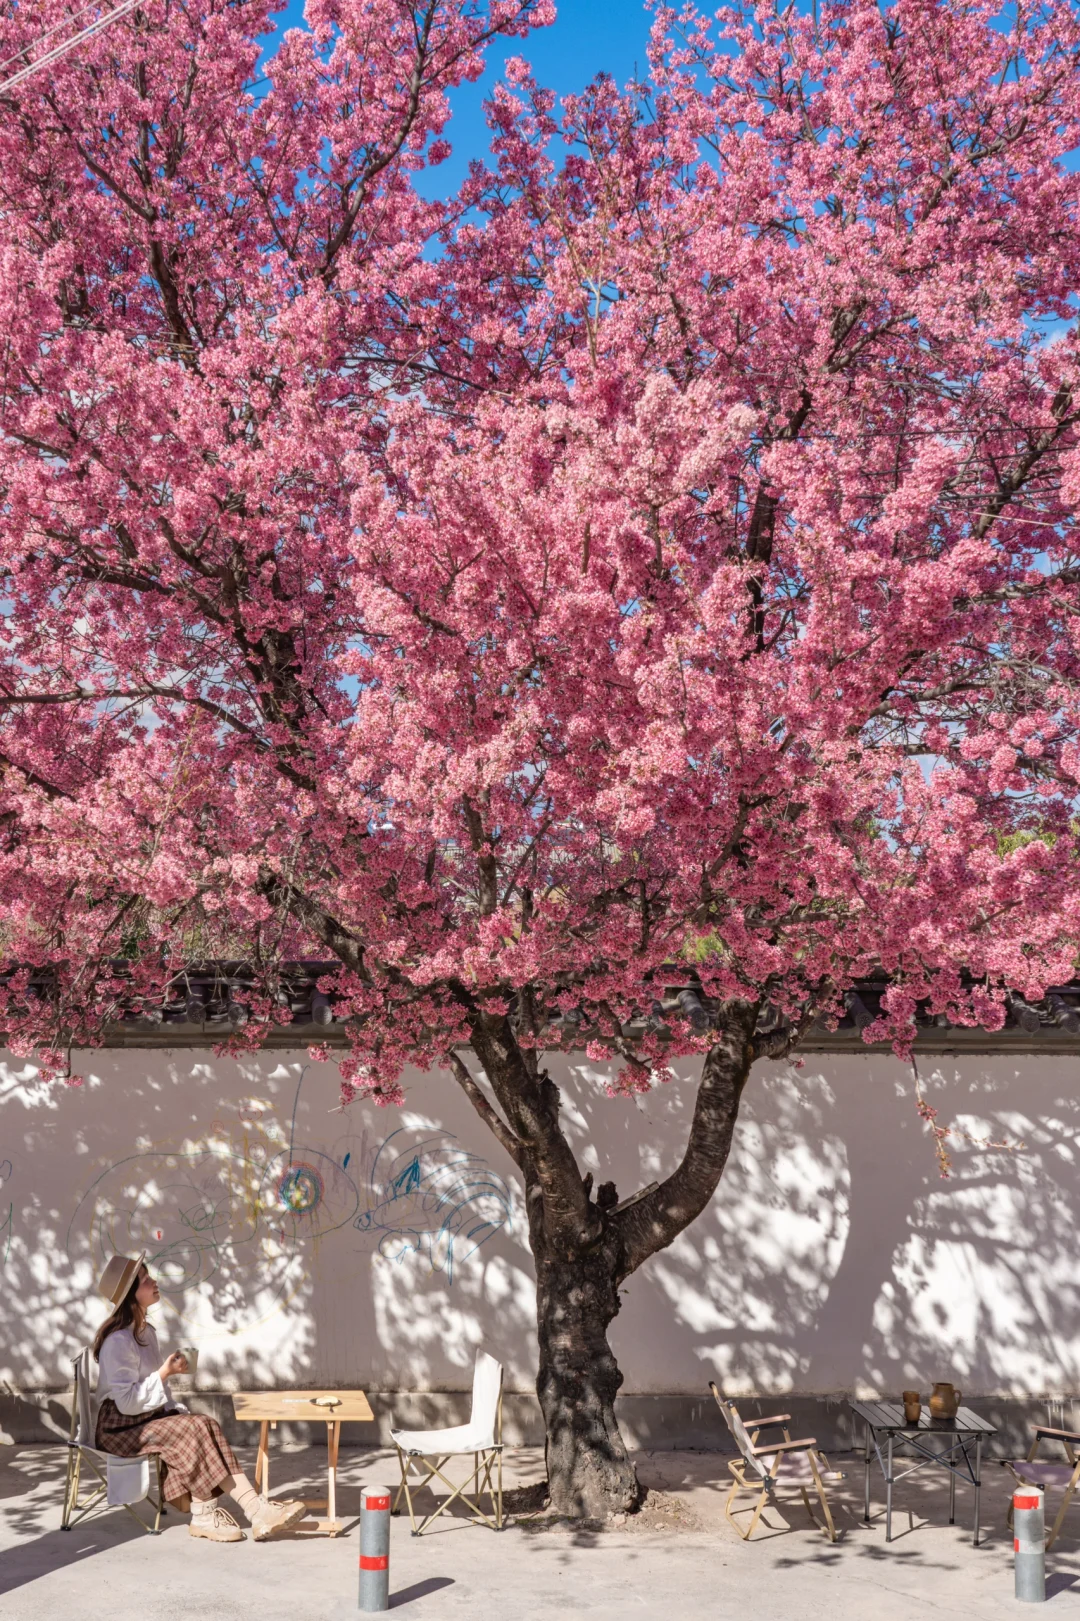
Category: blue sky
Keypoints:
(588, 37)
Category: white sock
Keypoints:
(244, 1495)
(201, 1506)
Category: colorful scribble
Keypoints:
(240, 1208)
(300, 1189)
(434, 1199)
(195, 1211)
(307, 1193)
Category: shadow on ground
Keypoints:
(538, 1570)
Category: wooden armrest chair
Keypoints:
(761, 1469)
(1036, 1471)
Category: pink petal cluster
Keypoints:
(655, 565)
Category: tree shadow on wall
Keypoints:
(293, 1242)
(833, 1256)
(173, 1164)
(442, 1218)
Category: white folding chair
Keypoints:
(428, 1451)
(763, 1468)
(81, 1447)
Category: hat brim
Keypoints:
(127, 1278)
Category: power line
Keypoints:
(58, 51)
(63, 23)
(939, 508)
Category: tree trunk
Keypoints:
(584, 1248)
(590, 1474)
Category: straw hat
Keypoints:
(118, 1277)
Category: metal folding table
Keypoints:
(954, 1444)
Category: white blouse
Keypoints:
(128, 1372)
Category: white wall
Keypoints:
(832, 1259)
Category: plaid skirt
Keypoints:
(196, 1457)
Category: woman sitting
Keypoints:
(136, 1416)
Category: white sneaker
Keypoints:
(217, 1526)
(276, 1514)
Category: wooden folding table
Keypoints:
(269, 1408)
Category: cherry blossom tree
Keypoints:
(619, 606)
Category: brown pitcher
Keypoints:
(944, 1401)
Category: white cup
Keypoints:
(191, 1352)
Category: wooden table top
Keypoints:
(887, 1415)
(327, 1406)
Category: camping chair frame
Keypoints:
(760, 1468)
(74, 1511)
(430, 1467)
(1070, 1440)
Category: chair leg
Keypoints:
(75, 1478)
(477, 1481)
(406, 1463)
(495, 1493)
(77, 1512)
(485, 1487)
(65, 1523)
(738, 1484)
(757, 1511)
(728, 1500)
(1065, 1501)
(401, 1484)
(74, 1513)
(820, 1484)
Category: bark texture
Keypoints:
(584, 1247)
(590, 1474)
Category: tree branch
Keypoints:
(654, 1222)
(491, 1118)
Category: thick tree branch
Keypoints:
(531, 1105)
(654, 1222)
(344, 945)
(491, 1118)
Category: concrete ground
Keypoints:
(682, 1559)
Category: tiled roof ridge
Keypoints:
(207, 1000)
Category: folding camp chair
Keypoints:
(1035, 1471)
(763, 1468)
(431, 1450)
(81, 1447)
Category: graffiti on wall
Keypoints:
(245, 1207)
(431, 1198)
(7, 1212)
(194, 1209)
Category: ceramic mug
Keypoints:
(191, 1352)
(912, 1406)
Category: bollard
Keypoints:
(1029, 1544)
(375, 1548)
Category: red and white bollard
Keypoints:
(1029, 1544)
(375, 1548)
